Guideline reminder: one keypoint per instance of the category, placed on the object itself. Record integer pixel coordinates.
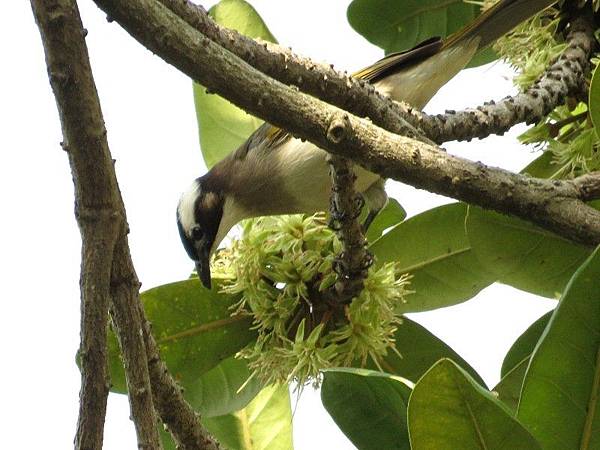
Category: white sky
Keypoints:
(149, 113)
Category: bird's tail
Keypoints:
(497, 21)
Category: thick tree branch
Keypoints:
(564, 78)
(96, 209)
(107, 269)
(554, 205)
(320, 80)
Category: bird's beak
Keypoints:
(203, 266)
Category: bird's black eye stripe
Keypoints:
(197, 233)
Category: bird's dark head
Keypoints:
(199, 215)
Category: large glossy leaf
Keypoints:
(193, 327)
(434, 248)
(223, 126)
(225, 388)
(560, 401)
(392, 214)
(217, 392)
(448, 410)
(368, 406)
(523, 255)
(265, 424)
(523, 347)
(594, 101)
(508, 389)
(418, 350)
(399, 25)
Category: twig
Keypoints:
(554, 128)
(554, 205)
(354, 261)
(562, 79)
(179, 417)
(128, 320)
(96, 208)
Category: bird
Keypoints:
(273, 173)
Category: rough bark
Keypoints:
(352, 264)
(107, 274)
(178, 416)
(564, 78)
(96, 208)
(317, 79)
(554, 205)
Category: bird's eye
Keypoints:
(197, 233)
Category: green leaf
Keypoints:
(419, 350)
(368, 406)
(221, 125)
(167, 440)
(397, 26)
(392, 214)
(193, 327)
(265, 424)
(448, 410)
(218, 391)
(541, 167)
(594, 101)
(434, 248)
(560, 399)
(523, 255)
(523, 347)
(508, 389)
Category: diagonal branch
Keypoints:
(564, 78)
(320, 80)
(554, 205)
(107, 270)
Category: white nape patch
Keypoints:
(185, 208)
(232, 214)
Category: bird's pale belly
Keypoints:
(309, 183)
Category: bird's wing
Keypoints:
(272, 136)
(266, 136)
(393, 62)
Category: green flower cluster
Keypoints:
(283, 268)
(571, 139)
(532, 47)
(567, 133)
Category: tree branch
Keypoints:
(96, 208)
(127, 318)
(107, 269)
(554, 205)
(320, 80)
(564, 78)
(179, 417)
(354, 261)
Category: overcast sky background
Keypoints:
(149, 113)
